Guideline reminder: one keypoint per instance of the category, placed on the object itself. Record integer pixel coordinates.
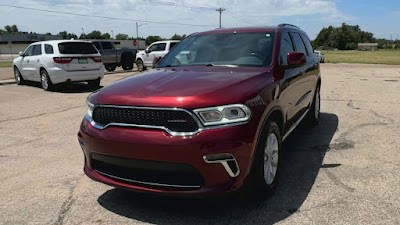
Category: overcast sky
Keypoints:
(382, 17)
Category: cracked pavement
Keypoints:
(345, 171)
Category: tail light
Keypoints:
(97, 59)
(62, 60)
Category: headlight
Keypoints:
(90, 109)
(223, 114)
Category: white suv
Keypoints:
(53, 62)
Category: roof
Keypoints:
(269, 29)
(59, 41)
(368, 44)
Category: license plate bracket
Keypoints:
(82, 61)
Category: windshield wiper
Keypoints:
(210, 64)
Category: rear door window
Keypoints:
(37, 50)
(286, 48)
(307, 42)
(107, 45)
(77, 48)
(48, 49)
(300, 47)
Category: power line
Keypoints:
(105, 17)
(178, 4)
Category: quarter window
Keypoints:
(286, 48)
(37, 50)
(300, 47)
(308, 44)
(48, 49)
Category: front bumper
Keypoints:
(158, 146)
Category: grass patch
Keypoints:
(6, 64)
(389, 57)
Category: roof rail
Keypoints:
(287, 24)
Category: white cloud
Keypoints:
(238, 13)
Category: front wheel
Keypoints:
(47, 85)
(140, 65)
(267, 161)
(17, 76)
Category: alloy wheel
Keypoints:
(271, 154)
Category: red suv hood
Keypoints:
(185, 87)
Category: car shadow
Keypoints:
(304, 151)
(65, 87)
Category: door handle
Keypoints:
(27, 60)
(38, 60)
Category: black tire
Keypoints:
(313, 114)
(258, 182)
(128, 66)
(47, 85)
(94, 84)
(18, 77)
(140, 65)
(110, 67)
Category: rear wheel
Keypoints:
(17, 76)
(45, 81)
(110, 67)
(140, 65)
(94, 84)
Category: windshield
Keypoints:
(228, 49)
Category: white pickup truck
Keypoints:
(145, 58)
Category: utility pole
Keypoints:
(137, 31)
(112, 34)
(220, 10)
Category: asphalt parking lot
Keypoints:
(345, 171)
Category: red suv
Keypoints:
(209, 118)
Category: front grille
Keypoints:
(174, 120)
(144, 171)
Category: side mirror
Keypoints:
(156, 60)
(147, 51)
(21, 54)
(295, 59)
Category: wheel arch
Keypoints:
(127, 56)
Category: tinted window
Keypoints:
(77, 48)
(96, 44)
(172, 44)
(286, 48)
(29, 51)
(299, 43)
(48, 49)
(233, 49)
(37, 50)
(153, 48)
(107, 45)
(308, 44)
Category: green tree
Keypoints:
(65, 35)
(93, 35)
(105, 36)
(11, 29)
(345, 37)
(178, 37)
(151, 39)
(121, 37)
